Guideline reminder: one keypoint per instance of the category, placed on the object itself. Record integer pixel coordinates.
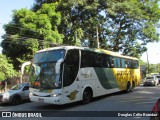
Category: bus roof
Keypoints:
(116, 54)
(88, 49)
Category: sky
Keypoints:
(7, 6)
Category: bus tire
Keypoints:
(133, 86)
(87, 96)
(128, 88)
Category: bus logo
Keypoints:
(86, 75)
(72, 95)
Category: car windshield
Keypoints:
(158, 76)
(149, 78)
(45, 71)
(18, 86)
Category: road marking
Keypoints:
(145, 102)
(137, 117)
(137, 98)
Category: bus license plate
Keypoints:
(40, 100)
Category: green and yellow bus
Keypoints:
(67, 74)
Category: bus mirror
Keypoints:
(37, 70)
(64, 61)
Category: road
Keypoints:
(140, 100)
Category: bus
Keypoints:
(67, 74)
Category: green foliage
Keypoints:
(126, 25)
(30, 31)
(122, 25)
(141, 62)
(151, 68)
(2, 76)
(6, 69)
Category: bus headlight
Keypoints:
(55, 95)
(30, 94)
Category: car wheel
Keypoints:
(87, 96)
(15, 100)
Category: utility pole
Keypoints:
(147, 63)
(97, 37)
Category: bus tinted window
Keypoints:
(93, 59)
(123, 63)
(106, 61)
(135, 64)
(72, 58)
(87, 59)
(98, 59)
(71, 67)
(117, 62)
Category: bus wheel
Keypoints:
(128, 89)
(87, 96)
(133, 86)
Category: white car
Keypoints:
(151, 80)
(158, 76)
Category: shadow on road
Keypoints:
(75, 104)
(9, 104)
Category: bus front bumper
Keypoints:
(50, 99)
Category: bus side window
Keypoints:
(123, 63)
(72, 58)
(126, 63)
(112, 61)
(135, 64)
(129, 65)
(86, 59)
(132, 64)
(106, 61)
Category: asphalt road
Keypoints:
(108, 107)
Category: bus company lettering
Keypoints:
(123, 72)
(86, 75)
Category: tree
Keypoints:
(29, 31)
(123, 25)
(6, 69)
(132, 24)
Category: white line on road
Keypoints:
(145, 102)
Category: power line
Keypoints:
(20, 42)
(25, 37)
(15, 26)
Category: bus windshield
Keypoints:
(45, 70)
